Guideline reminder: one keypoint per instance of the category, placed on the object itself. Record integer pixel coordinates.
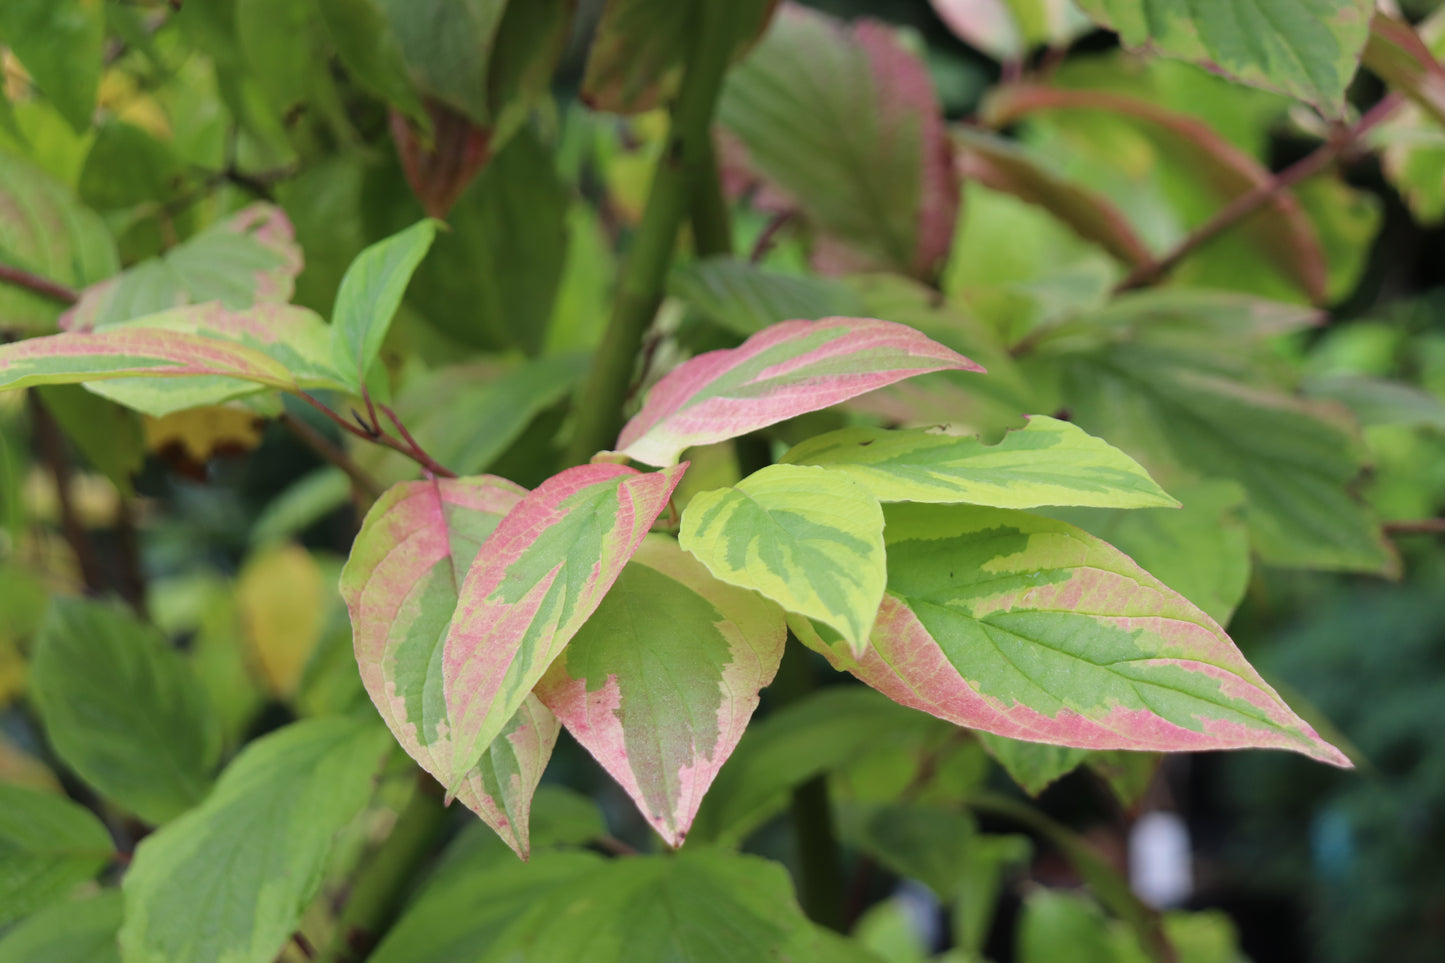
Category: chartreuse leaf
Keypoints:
(807, 538)
(60, 43)
(48, 846)
(786, 370)
(1030, 628)
(275, 346)
(538, 577)
(48, 232)
(228, 881)
(1307, 48)
(251, 257)
(1047, 462)
(401, 584)
(369, 295)
(124, 709)
(880, 188)
(78, 931)
(662, 680)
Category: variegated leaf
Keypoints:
(662, 680)
(401, 585)
(786, 370)
(808, 538)
(538, 577)
(1030, 628)
(1047, 462)
(188, 357)
(250, 258)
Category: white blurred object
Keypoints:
(1161, 869)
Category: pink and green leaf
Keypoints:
(879, 189)
(808, 538)
(250, 258)
(1047, 462)
(1029, 628)
(1008, 29)
(786, 370)
(234, 353)
(538, 578)
(401, 585)
(662, 680)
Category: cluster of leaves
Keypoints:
(988, 421)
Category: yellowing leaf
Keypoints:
(200, 433)
(280, 593)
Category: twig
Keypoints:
(333, 453)
(412, 450)
(52, 452)
(769, 235)
(1252, 200)
(34, 282)
(417, 453)
(613, 845)
(1420, 526)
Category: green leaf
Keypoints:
(371, 52)
(661, 681)
(124, 710)
(1057, 925)
(745, 298)
(1377, 401)
(807, 538)
(1030, 628)
(48, 846)
(1047, 462)
(467, 913)
(109, 436)
(401, 585)
(925, 843)
(47, 232)
(640, 48)
(448, 45)
(880, 186)
(540, 575)
(709, 907)
(466, 416)
(1307, 48)
(304, 503)
(60, 43)
(370, 293)
(1181, 407)
(492, 279)
(79, 931)
(826, 731)
(227, 882)
(251, 257)
(1033, 765)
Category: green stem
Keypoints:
(820, 870)
(712, 223)
(381, 887)
(597, 412)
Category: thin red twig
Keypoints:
(1250, 201)
(34, 282)
(1421, 526)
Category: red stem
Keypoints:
(34, 282)
(1250, 201)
